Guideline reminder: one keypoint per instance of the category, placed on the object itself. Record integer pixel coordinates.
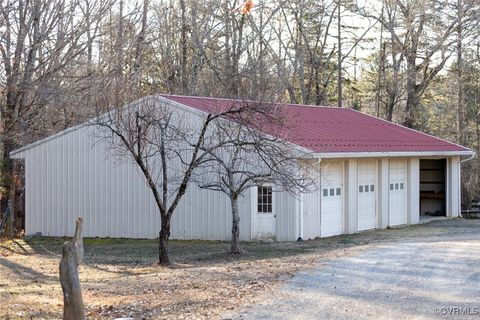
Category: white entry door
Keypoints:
(265, 213)
(397, 192)
(367, 191)
(332, 199)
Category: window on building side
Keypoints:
(264, 199)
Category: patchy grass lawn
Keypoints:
(120, 277)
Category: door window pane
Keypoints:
(372, 188)
(391, 186)
(338, 191)
(401, 185)
(332, 192)
(360, 188)
(367, 188)
(396, 186)
(325, 192)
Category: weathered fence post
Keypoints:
(78, 240)
(72, 256)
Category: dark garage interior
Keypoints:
(432, 187)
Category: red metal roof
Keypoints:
(332, 130)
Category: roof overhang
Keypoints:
(401, 154)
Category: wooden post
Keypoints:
(72, 256)
(78, 240)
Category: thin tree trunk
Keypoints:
(139, 49)
(89, 37)
(412, 100)
(237, 51)
(381, 67)
(119, 57)
(412, 105)
(339, 86)
(163, 257)
(11, 200)
(7, 179)
(183, 42)
(389, 108)
(235, 244)
(460, 112)
(478, 134)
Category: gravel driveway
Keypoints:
(437, 277)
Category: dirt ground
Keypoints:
(120, 277)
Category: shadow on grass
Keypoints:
(143, 252)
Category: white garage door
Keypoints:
(397, 192)
(332, 199)
(367, 190)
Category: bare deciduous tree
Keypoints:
(42, 46)
(422, 31)
(169, 145)
(253, 155)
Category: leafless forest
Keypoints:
(414, 62)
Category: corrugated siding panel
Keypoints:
(29, 223)
(244, 207)
(312, 212)
(285, 205)
(71, 176)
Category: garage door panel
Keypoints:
(397, 192)
(332, 199)
(367, 191)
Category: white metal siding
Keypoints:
(397, 192)
(383, 198)
(75, 175)
(413, 191)
(285, 205)
(367, 191)
(71, 176)
(310, 209)
(311, 215)
(453, 190)
(332, 205)
(351, 194)
(311, 218)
